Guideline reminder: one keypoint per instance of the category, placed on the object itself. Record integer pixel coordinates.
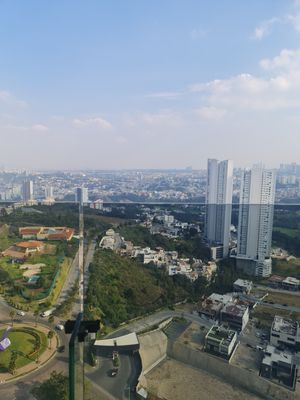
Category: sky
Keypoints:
(98, 84)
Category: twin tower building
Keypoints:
(255, 216)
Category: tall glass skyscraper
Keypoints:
(219, 203)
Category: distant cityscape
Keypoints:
(132, 185)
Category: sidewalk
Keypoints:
(44, 357)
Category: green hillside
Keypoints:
(121, 288)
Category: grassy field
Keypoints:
(22, 342)
(65, 266)
(289, 232)
(284, 298)
(287, 268)
(266, 315)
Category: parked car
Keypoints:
(21, 313)
(61, 349)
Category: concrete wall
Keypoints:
(248, 380)
(153, 350)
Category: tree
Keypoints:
(12, 362)
(36, 314)
(51, 319)
(50, 336)
(54, 388)
(12, 315)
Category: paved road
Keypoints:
(153, 319)
(20, 388)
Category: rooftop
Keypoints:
(286, 326)
(274, 355)
(237, 310)
(221, 334)
(243, 283)
(291, 281)
(31, 244)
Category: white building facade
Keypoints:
(257, 197)
(219, 203)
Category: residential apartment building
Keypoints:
(221, 341)
(236, 316)
(81, 195)
(285, 333)
(256, 221)
(219, 204)
(27, 191)
(279, 366)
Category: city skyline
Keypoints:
(148, 85)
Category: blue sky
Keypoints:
(148, 84)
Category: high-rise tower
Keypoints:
(256, 221)
(81, 195)
(219, 203)
(27, 191)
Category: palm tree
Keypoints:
(12, 315)
(50, 336)
(36, 314)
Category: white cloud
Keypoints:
(287, 59)
(39, 128)
(264, 28)
(161, 118)
(27, 128)
(211, 113)
(8, 99)
(97, 122)
(245, 91)
(294, 17)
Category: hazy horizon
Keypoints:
(149, 85)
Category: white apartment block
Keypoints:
(257, 197)
(285, 332)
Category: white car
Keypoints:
(21, 313)
(60, 327)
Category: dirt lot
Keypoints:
(172, 380)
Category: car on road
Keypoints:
(113, 372)
(284, 305)
(59, 327)
(249, 345)
(61, 349)
(20, 313)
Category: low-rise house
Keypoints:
(221, 341)
(280, 366)
(111, 241)
(285, 333)
(235, 315)
(242, 285)
(211, 307)
(47, 233)
(22, 250)
(290, 283)
(275, 281)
